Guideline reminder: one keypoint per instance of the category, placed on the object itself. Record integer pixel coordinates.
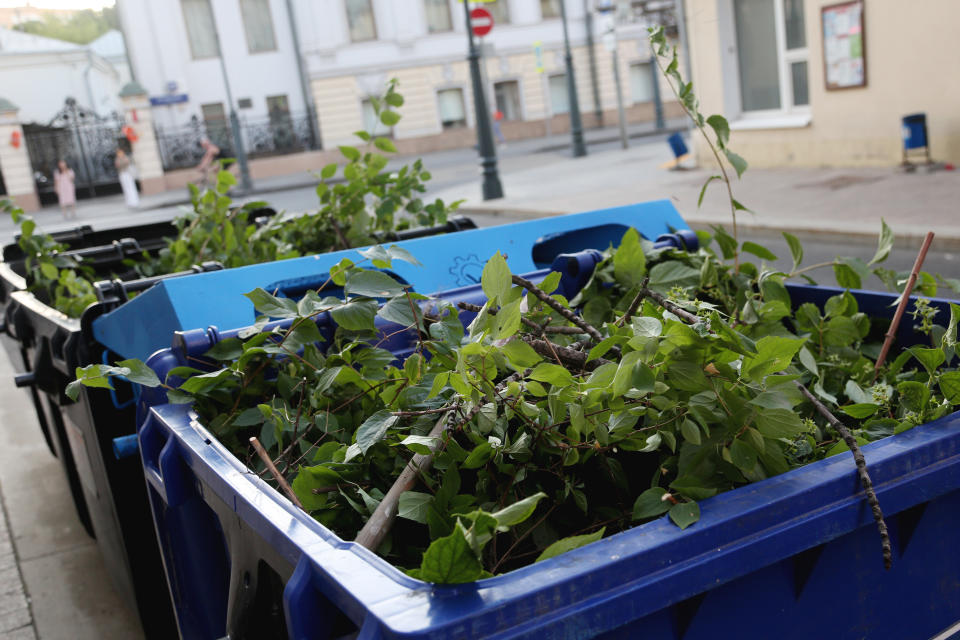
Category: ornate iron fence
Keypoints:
(180, 147)
(86, 141)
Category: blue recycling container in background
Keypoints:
(794, 556)
(677, 145)
(915, 131)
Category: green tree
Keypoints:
(81, 27)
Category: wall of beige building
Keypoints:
(908, 70)
(338, 99)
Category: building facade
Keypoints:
(349, 49)
(825, 83)
(38, 74)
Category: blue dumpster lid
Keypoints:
(147, 323)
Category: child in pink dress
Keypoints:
(63, 179)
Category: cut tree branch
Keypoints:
(559, 308)
(573, 331)
(569, 357)
(861, 472)
(276, 474)
(904, 299)
(661, 300)
(378, 526)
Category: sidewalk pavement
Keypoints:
(846, 202)
(111, 206)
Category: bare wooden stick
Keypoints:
(567, 356)
(559, 308)
(861, 472)
(904, 300)
(276, 474)
(377, 527)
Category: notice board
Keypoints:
(844, 51)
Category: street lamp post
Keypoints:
(492, 189)
(245, 181)
(576, 127)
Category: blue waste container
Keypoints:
(915, 131)
(794, 556)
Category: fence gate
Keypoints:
(88, 144)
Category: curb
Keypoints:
(905, 238)
(640, 134)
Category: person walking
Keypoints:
(210, 153)
(63, 185)
(130, 194)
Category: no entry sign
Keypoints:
(482, 21)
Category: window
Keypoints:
(559, 98)
(258, 25)
(500, 10)
(641, 82)
(507, 99)
(361, 21)
(278, 106)
(550, 8)
(438, 15)
(453, 115)
(771, 54)
(371, 123)
(201, 29)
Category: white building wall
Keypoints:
(159, 51)
(40, 83)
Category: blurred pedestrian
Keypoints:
(63, 185)
(210, 153)
(125, 171)
(497, 117)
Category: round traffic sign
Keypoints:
(482, 21)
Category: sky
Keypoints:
(58, 4)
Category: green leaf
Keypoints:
(739, 164)
(414, 505)
(690, 431)
(507, 320)
(357, 315)
(328, 171)
(480, 455)
(495, 279)
(385, 144)
(808, 361)
(685, 514)
(703, 189)
(884, 243)
(389, 118)
(744, 456)
(374, 429)
(647, 327)
(796, 249)
(929, 358)
(140, 373)
(272, 306)
(520, 354)
(779, 423)
(423, 445)
(553, 374)
(399, 253)
(720, 126)
(629, 262)
(774, 353)
(517, 512)
(569, 544)
(728, 245)
(913, 395)
(841, 331)
(373, 284)
(950, 386)
(450, 560)
(228, 349)
(846, 276)
(394, 99)
(650, 504)
(860, 410)
(400, 311)
(673, 273)
(758, 250)
(350, 153)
